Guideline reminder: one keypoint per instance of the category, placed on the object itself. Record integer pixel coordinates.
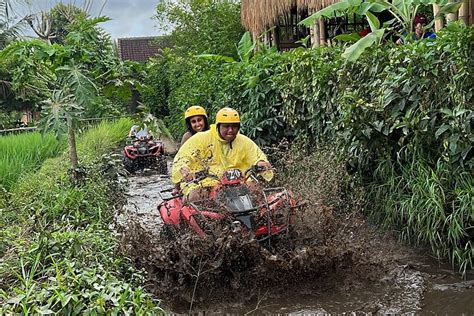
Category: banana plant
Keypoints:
(403, 12)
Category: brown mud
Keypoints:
(330, 263)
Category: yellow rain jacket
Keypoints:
(208, 149)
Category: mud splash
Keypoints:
(330, 263)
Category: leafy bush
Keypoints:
(58, 253)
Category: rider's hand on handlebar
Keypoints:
(186, 174)
(264, 165)
(176, 191)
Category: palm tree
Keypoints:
(9, 29)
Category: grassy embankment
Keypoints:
(23, 153)
(57, 248)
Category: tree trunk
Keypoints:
(71, 139)
(133, 105)
(322, 32)
(439, 22)
(464, 12)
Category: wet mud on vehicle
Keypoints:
(144, 152)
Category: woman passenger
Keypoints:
(196, 121)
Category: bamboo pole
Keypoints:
(464, 12)
(471, 14)
(439, 22)
(317, 40)
(314, 31)
(322, 32)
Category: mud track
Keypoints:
(330, 263)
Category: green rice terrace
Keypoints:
(127, 185)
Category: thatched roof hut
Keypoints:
(259, 15)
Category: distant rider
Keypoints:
(216, 150)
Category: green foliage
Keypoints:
(429, 204)
(23, 153)
(8, 119)
(58, 253)
(84, 63)
(403, 12)
(156, 92)
(201, 26)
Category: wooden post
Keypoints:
(471, 14)
(322, 32)
(314, 31)
(439, 22)
(464, 12)
(317, 39)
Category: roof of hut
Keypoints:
(140, 48)
(258, 15)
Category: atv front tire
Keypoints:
(162, 166)
(129, 164)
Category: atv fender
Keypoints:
(170, 210)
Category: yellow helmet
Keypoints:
(227, 115)
(194, 110)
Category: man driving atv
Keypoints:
(215, 151)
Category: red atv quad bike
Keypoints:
(265, 214)
(144, 152)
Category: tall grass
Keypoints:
(429, 203)
(103, 138)
(58, 253)
(20, 154)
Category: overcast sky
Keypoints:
(130, 18)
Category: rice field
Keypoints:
(23, 153)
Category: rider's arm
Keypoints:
(185, 161)
(255, 156)
(185, 137)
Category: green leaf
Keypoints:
(16, 300)
(372, 7)
(441, 130)
(354, 37)
(245, 47)
(373, 21)
(353, 52)
(214, 57)
(328, 11)
(452, 7)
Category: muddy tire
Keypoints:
(129, 164)
(168, 232)
(162, 166)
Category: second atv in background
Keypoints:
(144, 152)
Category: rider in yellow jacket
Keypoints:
(217, 150)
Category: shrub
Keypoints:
(58, 253)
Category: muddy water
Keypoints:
(339, 265)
